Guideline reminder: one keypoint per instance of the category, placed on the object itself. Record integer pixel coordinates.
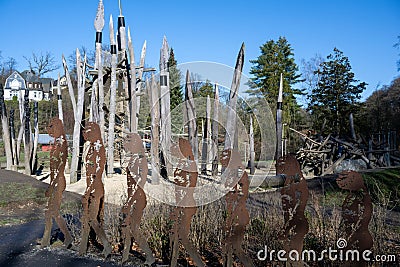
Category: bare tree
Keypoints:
(42, 63)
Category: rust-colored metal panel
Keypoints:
(356, 211)
(132, 210)
(93, 198)
(58, 159)
(237, 217)
(294, 200)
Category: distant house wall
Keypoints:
(16, 84)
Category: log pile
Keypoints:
(322, 155)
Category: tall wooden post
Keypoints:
(352, 131)
(59, 100)
(78, 111)
(99, 25)
(252, 152)
(279, 152)
(6, 130)
(35, 136)
(27, 137)
(215, 127)
(231, 119)
(154, 99)
(206, 136)
(165, 106)
(191, 116)
(113, 95)
(132, 79)
(13, 141)
(140, 77)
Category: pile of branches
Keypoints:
(322, 155)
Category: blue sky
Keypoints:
(214, 30)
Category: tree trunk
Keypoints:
(13, 140)
(27, 137)
(36, 136)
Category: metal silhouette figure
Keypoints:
(185, 178)
(294, 196)
(132, 210)
(237, 214)
(356, 211)
(93, 197)
(58, 158)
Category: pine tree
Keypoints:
(174, 81)
(276, 57)
(336, 95)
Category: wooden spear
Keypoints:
(206, 137)
(140, 77)
(279, 152)
(6, 130)
(99, 25)
(113, 96)
(191, 116)
(78, 108)
(215, 127)
(132, 98)
(27, 137)
(165, 105)
(154, 99)
(59, 100)
(13, 141)
(36, 136)
(231, 119)
(252, 152)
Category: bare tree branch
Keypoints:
(41, 64)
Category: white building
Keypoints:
(16, 84)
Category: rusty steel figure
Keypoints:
(94, 195)
(185, 178)
(294, 196)
(132, 210)
(237, 217)
(356, 211)
(58, 158)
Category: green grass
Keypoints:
(19, 192)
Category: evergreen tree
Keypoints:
(174, 81)
(336, 95)
(276, 58)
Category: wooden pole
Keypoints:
(140, 77)
(6, 130)
(252, 152)
(154, 99)
(191, 116)
(12, 136)
(99, 25)
(206, 137)
(165, 106)
(59, 100)
(80, 70)
(215, 127)
(231, 119)
(132, 98)
(113, 96)
(27, 137)
(36, 136)
(279, 152)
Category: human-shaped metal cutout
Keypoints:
(237, 217)
(185, 179)
(58, 159)
(294, 196)
(94, 195)
(356, 211)
(132, 210)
